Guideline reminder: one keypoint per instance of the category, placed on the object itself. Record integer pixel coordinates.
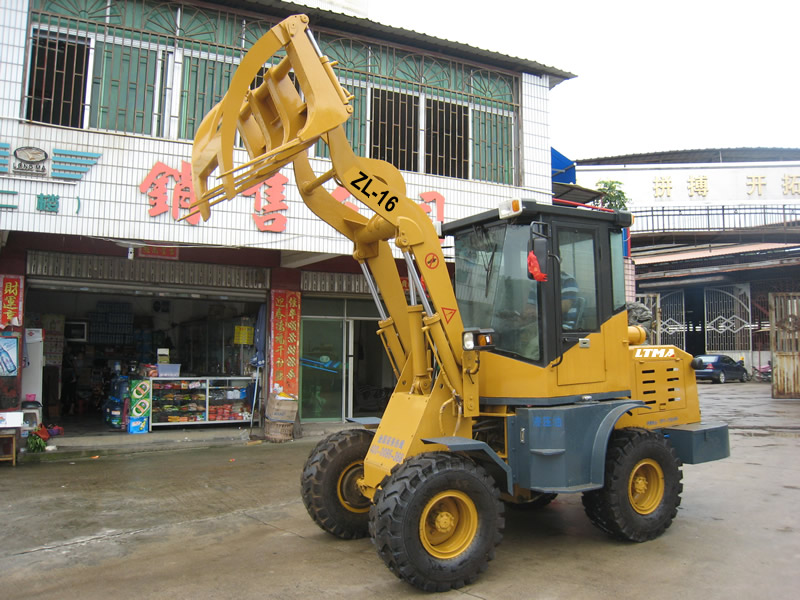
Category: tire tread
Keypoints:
(315, 493)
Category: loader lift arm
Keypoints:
(299, 102)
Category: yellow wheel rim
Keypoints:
(646, 486)
(347, 489)
(448, 524)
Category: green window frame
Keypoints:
(156, 68)
(465, 121)
(124, 83)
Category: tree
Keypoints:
(614, 196)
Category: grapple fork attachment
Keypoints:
(298, 101)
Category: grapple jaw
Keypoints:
(298, 100)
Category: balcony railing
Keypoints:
(661, 219)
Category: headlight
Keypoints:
(477, 339)
(509, 208)
(469, 341)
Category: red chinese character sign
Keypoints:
(165, 252)
(157, 183)
(267, 215)
(171, 191)
(12, 290)
(285, 347)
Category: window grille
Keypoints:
(156, 68)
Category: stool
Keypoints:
(31, 419)
(6, 440)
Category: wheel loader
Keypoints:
(518, 378)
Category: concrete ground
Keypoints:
(226, 521)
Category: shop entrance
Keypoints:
(343, 370)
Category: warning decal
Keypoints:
(448, 313)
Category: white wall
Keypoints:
(710, 184)
(108, 203)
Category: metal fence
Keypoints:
(660, 219)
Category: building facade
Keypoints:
(715, 233)
(99, 103)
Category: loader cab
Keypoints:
(543, 279)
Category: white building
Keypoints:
(99, 102)
(715, 233)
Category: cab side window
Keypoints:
(578, 285)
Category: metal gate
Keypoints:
(727, 320)
(672, 323)
(653, 303)
(784, 316)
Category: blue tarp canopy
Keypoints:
(562, 168)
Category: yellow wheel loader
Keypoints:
(517, 380)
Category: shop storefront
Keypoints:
(96, 198)
(104, 316)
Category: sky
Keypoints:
(650, 75)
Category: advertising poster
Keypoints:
(285, 347)
(141, 403)
(9, 356)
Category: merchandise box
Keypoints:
(11, 418)
(138, 425)
(281, 407)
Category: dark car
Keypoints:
(719, 368)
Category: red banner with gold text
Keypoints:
(12, 290)
(285, 337)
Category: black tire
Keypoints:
(745, 377)
(437, 520)
(328, 484)
(642, 489)
(721, 377)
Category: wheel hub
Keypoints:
(640, 485)
(448, 524)
(350, 495)
(646, 486)
(444, 522)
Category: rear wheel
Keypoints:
(721, 377)
(642, 487)
(329, 484)
(436, 521)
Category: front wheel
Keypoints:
(329, 484)
(642, 489)
(437, 520)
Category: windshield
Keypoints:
(708, 360)
(493, 289)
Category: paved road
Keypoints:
(228, 522)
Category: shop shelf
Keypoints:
(199, 400)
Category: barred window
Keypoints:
(427, 114)
(137, 66)
(394, 127)
(156, 68)
(57, 81)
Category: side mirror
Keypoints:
(537, 251)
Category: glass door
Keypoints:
(322, 369)
(371, 378)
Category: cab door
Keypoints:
(577, 305)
